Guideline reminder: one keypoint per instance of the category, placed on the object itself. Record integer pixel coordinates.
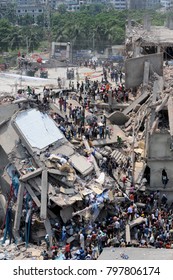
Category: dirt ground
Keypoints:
(11, 81)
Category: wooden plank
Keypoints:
(44, 190)
(32, 194)
(33, 174)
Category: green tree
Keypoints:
(5, 30)
(62, 9)
(15, 38)
(10, 13)
(25, 20)
(31, 38)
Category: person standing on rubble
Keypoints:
(81, 240)
(61, 103)
(67, 251)
(47, 241)
(107, 132)
(164, 178)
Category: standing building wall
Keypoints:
(160, 157)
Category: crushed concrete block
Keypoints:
(67, 191)
(23, 249)
(17, 254)
(108, 149)
(70, 239)
(34, 252)
(2, 256)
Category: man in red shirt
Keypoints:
(67, 251)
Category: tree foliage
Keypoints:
(93, 27)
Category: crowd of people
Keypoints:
(90, 238)
(155, 231)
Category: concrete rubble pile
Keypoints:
(44, 179)
(56, 181)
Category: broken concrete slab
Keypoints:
(75, 198)
(67, 191)
(134, 68)
(65, 149)
(116, 131)
(33, 195)
(65, 200)
(34, 252)
(31, 175)
(66, 214)
(81, 164)
(84, 192)
(136, 222)
(3, 160)
(143, 97)
(57, 172)
(9, 137)
(97, 170)
(7, 111)
(70, 239)
(141, 205)
(95, 189)
(118, 118)
(37, 130)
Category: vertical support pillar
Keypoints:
(68, 47)
(53, 49)
(18, 213)
(44, 189)
(146, 74)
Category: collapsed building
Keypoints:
(147, 46)
(50, 171)
(142, 39)
(58, 176)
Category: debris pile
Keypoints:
(79, 189)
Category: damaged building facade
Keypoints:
(156, 44)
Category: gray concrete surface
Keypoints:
(134, 68)
(136, 254)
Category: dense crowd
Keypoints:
(89, 238)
